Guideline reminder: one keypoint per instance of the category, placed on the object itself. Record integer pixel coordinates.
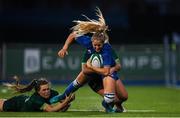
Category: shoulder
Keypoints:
(107, 47)
(36, 97)
(53, 93)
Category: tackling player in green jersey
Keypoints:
(37, 102)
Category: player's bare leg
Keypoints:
(1, 104)
(109, 94)
(122, 95)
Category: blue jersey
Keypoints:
(106, 51)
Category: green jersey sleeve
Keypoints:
(53, 93)
(85, 57)
(37, 103)
(115, 56)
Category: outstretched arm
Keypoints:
(59, 106)
(62, 52)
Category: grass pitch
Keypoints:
(144, 101)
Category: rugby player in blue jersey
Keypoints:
(98, 43)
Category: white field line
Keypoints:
(141, 110)
(134, 110)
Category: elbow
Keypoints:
(73, 35)
(118, 68)
(52, 110)
(49, 109)
(85, 72)
(106, 74)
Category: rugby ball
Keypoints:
(96, 60)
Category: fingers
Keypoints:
(88, 60)
(67, 98)
(70, 98)
(62, 53)
(88, 63)
(111, 71)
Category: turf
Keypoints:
(144, 101)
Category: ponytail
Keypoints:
(27, 88)
(35, 83)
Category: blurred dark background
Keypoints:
(49, 21)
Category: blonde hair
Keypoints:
(91, 25)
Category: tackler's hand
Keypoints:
(112, 70)
(69, 98)
(88, 63)
(62, 53)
